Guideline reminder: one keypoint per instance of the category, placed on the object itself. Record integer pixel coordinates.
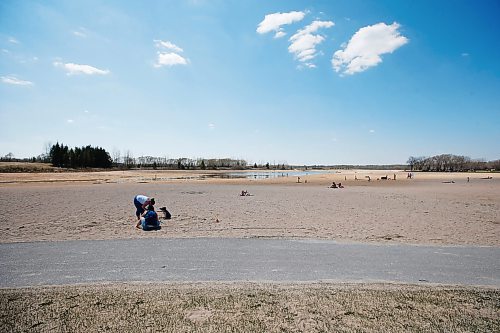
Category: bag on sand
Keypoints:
(166, 213)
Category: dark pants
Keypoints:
(138, 205)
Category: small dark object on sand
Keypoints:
(166, 213)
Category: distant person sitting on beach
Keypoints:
(149, 220)
(333, 185)
(245, 193)
(140, 203)
(340, 185)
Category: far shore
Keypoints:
(260, 176)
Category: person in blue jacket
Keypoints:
(149, 220)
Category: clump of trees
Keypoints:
(85, 157)
(450, 163)
(179, 163)
(128, 161)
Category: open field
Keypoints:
(250, 307)
(425, 210)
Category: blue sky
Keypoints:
(298, 82)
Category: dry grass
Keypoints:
(9, 167)
(247, 307)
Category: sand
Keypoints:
(439, 209)
(428, 209)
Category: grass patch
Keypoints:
(247, 307)
(9, 167)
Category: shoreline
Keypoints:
(352, 177)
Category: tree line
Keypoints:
(85, 157)
(185, 163)
(450, 163)
(60, 155)
(127, 161)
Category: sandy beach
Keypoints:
(431, 208)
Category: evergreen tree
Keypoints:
(85, 157)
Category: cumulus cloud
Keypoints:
(168, 54)
(366, 46)
(74, 69)
(304, 42)
(169, 59)
(273, 22)
(15, 81)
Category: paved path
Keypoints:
(215, 259)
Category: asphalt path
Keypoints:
(256, 260)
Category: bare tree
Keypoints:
(116, 156)
(128, 159)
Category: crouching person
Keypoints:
(149, 220)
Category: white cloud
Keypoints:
(81, 32)
(372, 131)
(168, 54)
(167, 45)
(465, 54)
(169, 59)
(273, 22)
(13, 40)
(15, 81)
(70, 121)
(74, 69)
(366, 46)
(280, 34)
(304, 42)
(211, 126)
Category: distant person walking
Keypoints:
(140, 203)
